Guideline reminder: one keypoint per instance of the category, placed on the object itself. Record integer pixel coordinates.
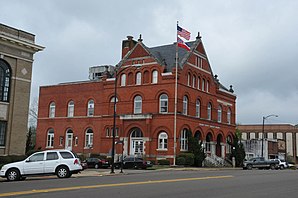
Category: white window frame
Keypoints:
(188, 79)
(90, 111)
(50, 139)
(183, 140)
(123, 80)
(203, 85)
(185, 105)
(198, 108)
(219, 114)
(163, 103)
(163, 141)
(154, 77)
(198, 83)
(52, 110)
(70, 109)
(207, 86)
(138, 78)
(194, 81)
(108, 132)
(209, 111)
(229, 116)
(89, 138)
(137, 104)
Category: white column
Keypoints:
(223, 150)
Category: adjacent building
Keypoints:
(16, 58)
(280, 140)
(80, 115)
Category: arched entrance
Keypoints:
(198, 135)
(218, 145)
(136, 142)
(68, 139)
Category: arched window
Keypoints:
(229, 116)
(198, 82)
(70, 112)
(209, 111)
(154, 77)
(50, 138)
(194, 81)
(188, 79)
(107, 132)
(137, 105)
(219, 114)
(90, 111)
(4, 81)
(89, 138)
(207, 86)
(198, 108)
(52, 110)
(123, 79)
(203, 85)
(185, 105)
(183, 140)
(138, 78)
(163, 103)
(163, 141)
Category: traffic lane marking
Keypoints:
(110, 185)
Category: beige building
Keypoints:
(286, 136)
(16, 57)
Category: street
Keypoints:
(225, 183)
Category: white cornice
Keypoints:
(19, 42)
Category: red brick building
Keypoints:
(79, 115)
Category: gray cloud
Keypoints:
(251, 44)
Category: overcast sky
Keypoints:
(252, 45)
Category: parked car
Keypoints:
(282, 164)
(260, 162)
(97, 163)
(133, 162)
(62, 163)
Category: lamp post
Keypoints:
(263, 126)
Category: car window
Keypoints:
(36, 157)
(66, 155)
(52, 156)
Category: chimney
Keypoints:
(127, 45)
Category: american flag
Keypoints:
(182, 44)
(183, 33)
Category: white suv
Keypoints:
(62, 163)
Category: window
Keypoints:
(37, 157)
(163, 141)
(219, 113)
(199, 62)
(185, 105)
(138, 78)
(2, 133)
(163, 103)
(70, 112)
(90, 111)
(50, 139)
(116, 132)
(107, 132)
(198, 82)
(123, 79)
(198, 108)
(207, 86)
(193, 81)
(66, 155)
(4, 81)
(188, 80)
(89, 138)
(154, 77)
(52, 156)
(183, 140)
(209, 110)
(203, 85)
(137, 105)
(52, 110)
(229, 116)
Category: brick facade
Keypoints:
(140, 131)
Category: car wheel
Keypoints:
(272, 166)
(249, 166)
(282, 167)
(63, 172)
(13, 175)
(96, 166)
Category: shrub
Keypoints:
(163, 162)
(180, 160)
(188, 159)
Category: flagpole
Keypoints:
(176, 90)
